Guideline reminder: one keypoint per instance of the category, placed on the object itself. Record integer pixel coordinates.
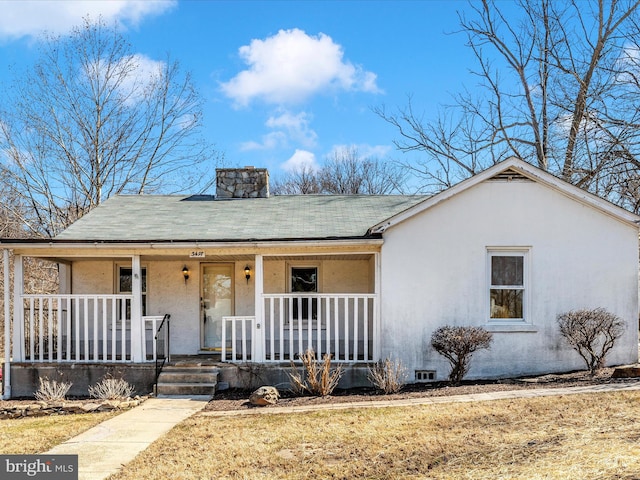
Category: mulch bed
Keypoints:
(34, 408)
(235, 399)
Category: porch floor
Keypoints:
(215, 359)
(209, 359)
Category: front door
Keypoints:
(217, 302)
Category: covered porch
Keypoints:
(98, 329)
(266, 318)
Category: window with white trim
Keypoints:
(304, 279)
(508, 284)
(125, 282)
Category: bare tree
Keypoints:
(302, 181)
(558, 87)
(345, 173)
(92, 119)
(41, 275)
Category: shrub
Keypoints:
(52, 390)
(318, 378)
(388, 375)
(110, 388)
(592, 333)
(457, 344)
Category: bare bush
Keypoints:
(110, 388)
(457, 344)
(388, 375)
(52, 390)
(591, 333)
(318, 378)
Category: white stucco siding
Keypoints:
(346, 276)
(435, 272)
(92, 277)
(275, 276)
(167, 292)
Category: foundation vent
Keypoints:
(424, 376)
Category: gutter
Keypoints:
(164, 244)
(88, 247)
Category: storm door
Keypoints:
(217, 302)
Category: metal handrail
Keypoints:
(166, 356)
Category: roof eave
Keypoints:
(40, 245)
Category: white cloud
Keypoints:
(291, 66)
(24, 18)
(300, 159)
(296, 126)
(287, 128)
(269, 142)
(364, 150)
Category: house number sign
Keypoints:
(197, 254)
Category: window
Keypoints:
(304, 280)
(125, 282)
(507, 289)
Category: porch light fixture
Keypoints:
(185, 273)
(247, 273)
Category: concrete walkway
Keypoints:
(105, 448)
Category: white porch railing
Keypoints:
(342, 325)
(237, 339)
(80, 328)
(150, 344)
(97, 329)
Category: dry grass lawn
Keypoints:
(593, 436)
(36, 435)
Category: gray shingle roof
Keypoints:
(184, 218)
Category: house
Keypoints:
(251, 279)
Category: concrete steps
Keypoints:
(187, 379)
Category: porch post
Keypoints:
(18, 310)
(377, 308)
(6, 371)
(64, 277)
(137, 331)
(258, 340)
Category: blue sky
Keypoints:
(286, 83)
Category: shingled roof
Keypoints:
(203, 218)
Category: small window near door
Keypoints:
(507, 285)
(125, 282)
(304, 280)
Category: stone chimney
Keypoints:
(247, 182)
